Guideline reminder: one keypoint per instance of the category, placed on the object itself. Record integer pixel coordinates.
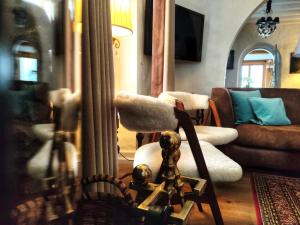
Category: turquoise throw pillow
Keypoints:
(269, 111)
(18, 99)
(242, 109)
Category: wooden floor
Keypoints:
(235, 201)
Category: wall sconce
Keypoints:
(121, 19)
(297, 51)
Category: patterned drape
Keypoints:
(99, 151)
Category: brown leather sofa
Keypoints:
(268, 147)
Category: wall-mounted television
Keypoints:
(189, 26)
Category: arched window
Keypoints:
(26, 61)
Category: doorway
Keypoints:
(257, 69)
(26, 57)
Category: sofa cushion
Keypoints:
(269, 111)
(242, 109)
(30, 101)
(270, 137)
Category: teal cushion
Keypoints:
(269, 111)
(242, 109)
(19, 99)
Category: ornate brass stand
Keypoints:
(59, 188)
(156, 200)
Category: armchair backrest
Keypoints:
(144, 113)
(66, 106)
(148, 114)
(190, 101)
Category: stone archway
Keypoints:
(224, 20)
(270, 48)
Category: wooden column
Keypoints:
(158, 47)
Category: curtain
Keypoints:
(163, 56)
(158, 34)
(99, 148)
(169, 52)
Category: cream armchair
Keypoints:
(198, 158)
(66, 108)
(216, 135)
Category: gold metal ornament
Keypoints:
(157, 198)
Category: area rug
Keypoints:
(277, 199)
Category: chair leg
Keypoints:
(200, 208)
(139, 138)
(213, 203)
(187, 125)
(198, 201)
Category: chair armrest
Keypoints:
(215, 113)
(212, 111)
(222, 99)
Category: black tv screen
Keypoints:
(189, 27)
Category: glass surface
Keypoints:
(28, 69)
(252, 76)
(245, 76)
(256, 75)
(35, 45)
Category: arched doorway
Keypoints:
(259, 67)
(27, 59)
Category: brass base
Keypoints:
(158, 192)
(156, 199)
(116, 42)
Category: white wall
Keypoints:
(144, 61)
(126, 76)
(126, 58)
(132, 67)
(223, 21)
(223, 18)
(286, 37)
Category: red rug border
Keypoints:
(256, 203)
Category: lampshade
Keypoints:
(121, 18)
(297, 51)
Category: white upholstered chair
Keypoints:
(66, 105)
(198, 158)
(216, 135)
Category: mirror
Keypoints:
(43, 95)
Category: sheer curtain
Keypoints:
(169, 52)
(99, 151)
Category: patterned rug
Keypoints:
(277, 199)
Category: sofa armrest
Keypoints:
(222, 99)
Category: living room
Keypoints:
(222, 34)
(189, 108)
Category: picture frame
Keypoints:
(294, 64)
